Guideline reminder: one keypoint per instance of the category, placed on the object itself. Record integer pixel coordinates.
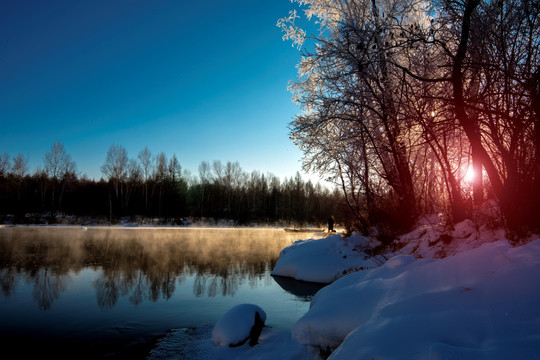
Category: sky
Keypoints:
(203, 80)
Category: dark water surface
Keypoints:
(71, 292)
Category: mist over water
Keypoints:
(108, 287)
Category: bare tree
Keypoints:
(4, 164)
(42, 180)
(145, 158)
(394, 86)
(354, 101)
(205, 177)
(133, 179)
(490, 51)
(58, 164)
(175, 170)
(115, 166)
(232, 180)
(115, 170)
(160, 176)
(19, 170)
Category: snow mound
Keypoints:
(479, 304)
(324, 260)
(234, 328)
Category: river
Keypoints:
(96, 292)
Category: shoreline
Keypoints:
(163, 227)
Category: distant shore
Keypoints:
(141, 222)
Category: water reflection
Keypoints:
(302, 289)
(140, 264)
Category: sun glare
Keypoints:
(469, 174)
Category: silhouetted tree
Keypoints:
(19, 169)
(145, 158)
(115, 170)
(401, 98)
(58, 164)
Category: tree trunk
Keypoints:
(534, 88)
(477, 183)
(405, 188)
(469, 124)
(457, 205)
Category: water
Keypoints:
(69, 292)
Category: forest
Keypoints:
(410, 108)
(422, 107)
(155, 188)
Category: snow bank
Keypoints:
(434, 240)
(235, 326)
(324, 260)
(460, 294)
(480, 304)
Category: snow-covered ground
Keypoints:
(480, 304)
(324, 260)
(461, 294)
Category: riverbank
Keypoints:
(152, 222)
(465, 293)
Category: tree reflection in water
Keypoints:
(143, 264)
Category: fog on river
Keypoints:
(138, 261)
(103, 289)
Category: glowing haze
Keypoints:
(202, 80)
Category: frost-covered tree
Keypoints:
(401, 99)
(205, 177)
(353, 126)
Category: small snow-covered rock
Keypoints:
(242, 322)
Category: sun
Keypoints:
(469, 175)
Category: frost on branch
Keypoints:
(292, 31)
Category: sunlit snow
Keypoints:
(466, 295)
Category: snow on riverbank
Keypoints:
(324, 260)
(463, 294)
(480, 304)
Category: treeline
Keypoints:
(418, 107)
(156, 187)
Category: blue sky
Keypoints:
(204, 80)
